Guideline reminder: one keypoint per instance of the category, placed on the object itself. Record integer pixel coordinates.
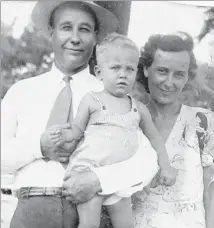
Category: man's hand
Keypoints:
(50, 150)
(79, 187)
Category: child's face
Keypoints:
(118, 69)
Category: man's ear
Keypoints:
(145, 71)
(97, 72)
(95, 39)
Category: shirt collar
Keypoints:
(81, 75)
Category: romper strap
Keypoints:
(92, 93)
(134, 104)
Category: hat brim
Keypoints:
(42, 11)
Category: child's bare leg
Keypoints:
(90, 212)
(121, 213)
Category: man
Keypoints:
(27, 109)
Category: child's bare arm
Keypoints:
(78, 126)
(157, 142)
(81, 120)
(151, 132)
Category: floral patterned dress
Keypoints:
(190, 146)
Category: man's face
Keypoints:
(168, 75)
(73, 36)
(118, 70)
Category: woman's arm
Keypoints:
(210, 208)
(207, 157)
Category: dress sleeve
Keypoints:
(207, 153)
(212, 180)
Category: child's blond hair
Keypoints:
(117, 40)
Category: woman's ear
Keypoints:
(97, 72)
(145, 71)
(50, 30)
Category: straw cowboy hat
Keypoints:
(43, 9)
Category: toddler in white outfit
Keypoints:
(110, 121)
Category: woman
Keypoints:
(167, 64)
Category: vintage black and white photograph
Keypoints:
(107, 114)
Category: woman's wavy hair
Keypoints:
(180, 41)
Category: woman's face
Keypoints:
(167, 75)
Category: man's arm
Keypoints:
(16, 152)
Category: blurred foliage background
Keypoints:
(28, 56)
(31, 54)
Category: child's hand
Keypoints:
(168, 176)
(56, 136)
(155, 181)
(60, 136)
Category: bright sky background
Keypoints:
(16, 9)
(147, 17)
(163, 17)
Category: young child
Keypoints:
(110, 120)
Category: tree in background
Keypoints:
(25, 57)
(208, 23)
(204, 82)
